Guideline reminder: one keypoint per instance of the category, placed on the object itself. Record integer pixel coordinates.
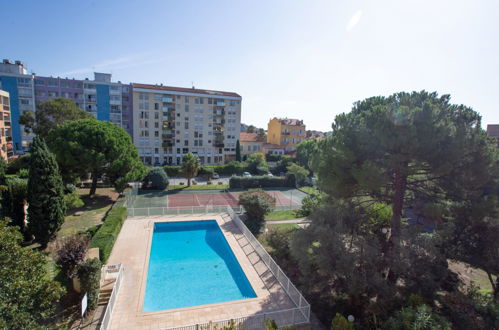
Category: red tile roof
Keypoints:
(249, 137)
(186, 90)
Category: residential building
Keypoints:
(274, 149)
(106, 100)
(287, 133)
(250, 143)
(5, 126)
(493, 131)
(170, 122)
(315, 135)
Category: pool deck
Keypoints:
(132, 251)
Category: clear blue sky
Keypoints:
(300, 59)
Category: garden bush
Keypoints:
(173, 170)
(23, 173)
(341, 323)
(17, 164)
(256, 203)
(73, 200)
(89, 275)
(261, 182)
(420, 317)
(71, 253)
(156, 178)
(105, 237)
(310, 203)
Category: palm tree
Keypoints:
(190, 167)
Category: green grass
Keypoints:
(282, 215)
(93, 212)
(283, 226)
(199, 187)
(308, 190)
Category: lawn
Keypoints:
(283, 226)
(93, 211)
(308, 190)
(199, 187)
(282, 215)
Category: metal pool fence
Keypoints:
(288, 317)
(110, 305)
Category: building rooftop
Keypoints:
(249, 137)
(186, 90)
(272, 146)
(290, 121)
(493, 130)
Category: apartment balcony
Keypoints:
(218, 112)
(167, 144)
(7, 123)
(167, 99)
(220, 104)
(168, 136)
(286, 133)
(218, 144)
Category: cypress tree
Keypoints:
(46, 206)
(238, 151)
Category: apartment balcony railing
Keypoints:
(220, 104)
(167, 99)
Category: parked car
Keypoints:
(215, 175)
(246, 174)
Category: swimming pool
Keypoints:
(192, 264)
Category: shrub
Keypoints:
(209, 183)
(156, 178)
(261, 182)
(420, 317)
(272, 157)
(299, 172)
(69, 188)
(256, 203)
(181, 183)
(105, 237)
(271, 325)
(173, 170)
(23, 173)
(194, 182)
(89, 275)
(220, 183)
(310, 203)
(17, 164)
(71, 252)
(278, 240)
(341, 323)
(73, 200)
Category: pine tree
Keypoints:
(46, 206)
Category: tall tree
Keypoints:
(46, 207)
(27, 294)
(401, 149)
(238, 151)
(306, 151)
(251, 129)
(96, 147)
(51, 113)
(190, 167)
(257, 163)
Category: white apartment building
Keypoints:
(169, 122)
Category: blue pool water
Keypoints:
(192, 264)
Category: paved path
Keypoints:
(298, 221)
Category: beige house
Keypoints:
(169, 122)
(250, 143)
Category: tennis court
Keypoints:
(285, 198)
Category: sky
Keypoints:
(309, 60)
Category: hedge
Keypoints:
(173, 170)
(262, 182)
(232, 168)
(105, 237)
